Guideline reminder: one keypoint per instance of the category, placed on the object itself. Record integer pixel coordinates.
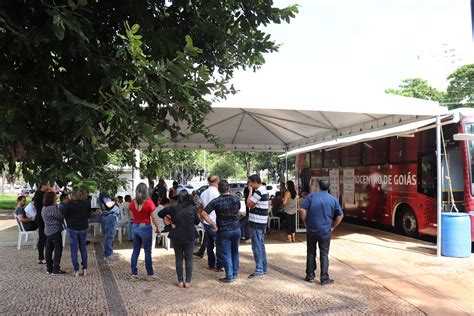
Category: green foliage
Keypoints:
(225, 169)
(460, 91)
(417, 88)
(82, 79)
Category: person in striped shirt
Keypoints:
(258, 217)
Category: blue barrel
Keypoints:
(455, 235)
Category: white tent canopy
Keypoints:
(280, 125)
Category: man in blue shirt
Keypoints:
(321, 214)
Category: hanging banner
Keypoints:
(334, 182)
(348, 186)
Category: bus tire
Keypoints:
(407, 223)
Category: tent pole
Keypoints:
(286, 164)
(439, 196)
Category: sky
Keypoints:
(336, 47)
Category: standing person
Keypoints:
(53, 226)
(244, 230)
(29, 223)
(126, 214)
(173, 193)
(159, 193)
(227, 208)
(212, 192)
(143, 213)
(321, 213)
(109, 218)
(63, 199)
(183, 234)
(76, 213)
(289, 206)
(258, 217)
(38, 201)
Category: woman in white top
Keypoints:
(289, 206)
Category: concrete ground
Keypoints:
(375, 272)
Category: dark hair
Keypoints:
(164, 201)
(175, 182)
(291, 188)
(63, 196)
(184, 198)
(278, 194)
(49, 198)
(324, 184)
(255, 178)
(21, 197)
(223, 187)
(128, 198)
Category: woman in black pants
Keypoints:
(183, 234)
(53, 226)
(38, 201)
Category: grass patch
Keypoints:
(8, 201)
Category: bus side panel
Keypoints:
(468, 198)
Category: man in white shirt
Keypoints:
(207, 196)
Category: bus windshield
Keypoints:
(470, 130)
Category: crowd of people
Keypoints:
(178, 213)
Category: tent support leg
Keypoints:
(439, 196)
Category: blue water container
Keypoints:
(455, 235)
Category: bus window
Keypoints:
(316, 159)
(470, 130)
(350, 155)
(404, 149)
(374, 152)
(427, 175)
(331, 158)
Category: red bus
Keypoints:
(392, 181)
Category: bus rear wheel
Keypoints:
(407, 223)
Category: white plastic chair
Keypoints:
(22, 232)
(200, 231)
(273, 218)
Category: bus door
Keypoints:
(454, 163)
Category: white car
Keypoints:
(189, 188)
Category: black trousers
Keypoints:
(41, 240)
(184, 250)
(290, 224)
(54, 242)
(323, 244)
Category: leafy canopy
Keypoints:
(417, 88)
(460, 91)
(81, 79)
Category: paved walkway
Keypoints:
(381, 273)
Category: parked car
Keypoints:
(237, 188)
(201, 189)
(26, 190)
(186, 187)
(272, 190)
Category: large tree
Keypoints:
(82, 78)
(460, 91)
(417, 88)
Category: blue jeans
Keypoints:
(109, 224)
(258, 249)
(244, 231)
(211, 241)
(228, 245)
(78, 240)
(142, 234)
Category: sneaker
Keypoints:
(308, 279)
(110, 258)
(226, 280)
(134, 277)
(236, 276)
(151, 278)
(219, 269)
(60, 272)
(42, 261)
(198, 254)
(328, 281)
(256, 275)
(84, 272)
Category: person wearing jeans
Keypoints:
(183, 233)
(321, 214)
(76, 213)
(213, 261)
(258, 217)
(143, 213)
(109, 218)
(227, 208)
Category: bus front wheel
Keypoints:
(407, 223)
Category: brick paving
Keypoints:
(26, 288)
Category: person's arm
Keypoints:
(164, 212)
(22, 218)
(197, 220)
(303, 215)
(339, 217)
(206, 217)
(154, 219)
(250, 202)
(286, 197)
